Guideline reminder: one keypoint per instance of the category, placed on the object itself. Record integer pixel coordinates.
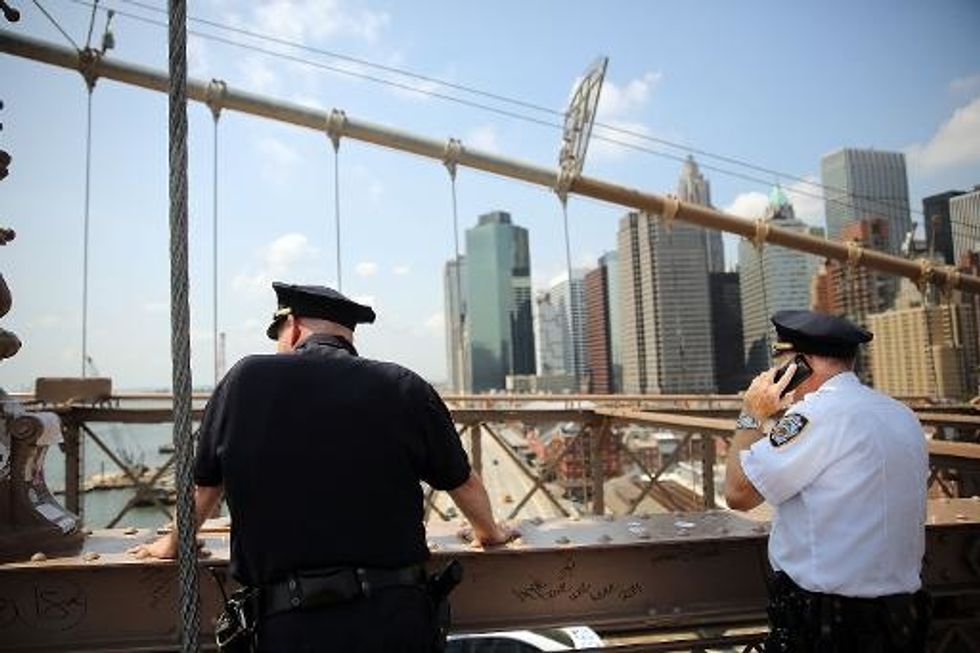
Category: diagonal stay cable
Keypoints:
(54, 22)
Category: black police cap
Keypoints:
(316, 302)
(809, 332)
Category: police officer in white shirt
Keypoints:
(845, 468)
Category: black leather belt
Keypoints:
(325, 587)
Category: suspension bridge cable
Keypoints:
(336, 209)
(54, 22)
(180, 328)
(85, 228)
(511, 114)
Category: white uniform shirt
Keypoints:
(846, 470)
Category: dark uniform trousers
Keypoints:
(396, 619)
(801, 621)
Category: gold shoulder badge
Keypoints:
(787, 428)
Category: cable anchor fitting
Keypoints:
(88, 64)
(336, 127)
(214, 97)
(762, 228)
(450, 156)
(672, 205)
(927, 273)
(854, 254)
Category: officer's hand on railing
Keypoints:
(501, 534)
(763, 399)
(162, 548)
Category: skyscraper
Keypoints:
(694, 188)
(726, 331)
(498, 285)
(454, 285)
(778, 280)
(602, 350)
(551, 329)
(665, 307)
(939, 228)
(865, 184)
(570, 301)
(964, 214)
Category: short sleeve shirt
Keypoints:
(846, 470)
(320, 453)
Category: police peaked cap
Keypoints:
(808, 332)
(317, 302)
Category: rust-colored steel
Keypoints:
(665, 573)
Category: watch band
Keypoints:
(746, 421)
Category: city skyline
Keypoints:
(275, 195)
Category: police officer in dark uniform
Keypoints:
(845, 469)
(320, 453)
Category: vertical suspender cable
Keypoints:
(460, 307)
(214, 252)
(180, 326)
(336, 208)
(571, 308)
(85, 228)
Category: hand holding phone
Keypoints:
(802, 373)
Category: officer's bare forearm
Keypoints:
(471, 497)
(206, 499)
(740, 494)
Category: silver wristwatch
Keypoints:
(746, 421)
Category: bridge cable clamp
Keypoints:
(450, 155)
(88, 63)
(336, 126)
(214, 96)
(672, 206)
(762, 228)
(854, 254)
(926, 273)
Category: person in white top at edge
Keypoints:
(846, 470)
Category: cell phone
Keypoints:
(802, 373)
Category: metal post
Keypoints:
(476, 447)
(598, 433)
(73, 466)
(708, 470)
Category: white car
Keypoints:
(525, 641)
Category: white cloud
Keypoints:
(619, 108)
(482, 138)
(807, 200)
(955, 143)
(435, 323)
(622, 101)
(750, 205)
(259, 75)
(401, 270)
(605, 150)
(277, 159)
(156, 307)
(198, 57)
(965, 85)
(366, 269)
(314, 20)
(47, 321)
(278, 260)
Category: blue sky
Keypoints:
(777, 84)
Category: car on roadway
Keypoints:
(569, 638)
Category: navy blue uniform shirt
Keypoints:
(320, 453)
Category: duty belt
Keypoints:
(325, 587)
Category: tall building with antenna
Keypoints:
(500, 335)
(772, 280)
(664, 307)
(693, 187)
(866, 184)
